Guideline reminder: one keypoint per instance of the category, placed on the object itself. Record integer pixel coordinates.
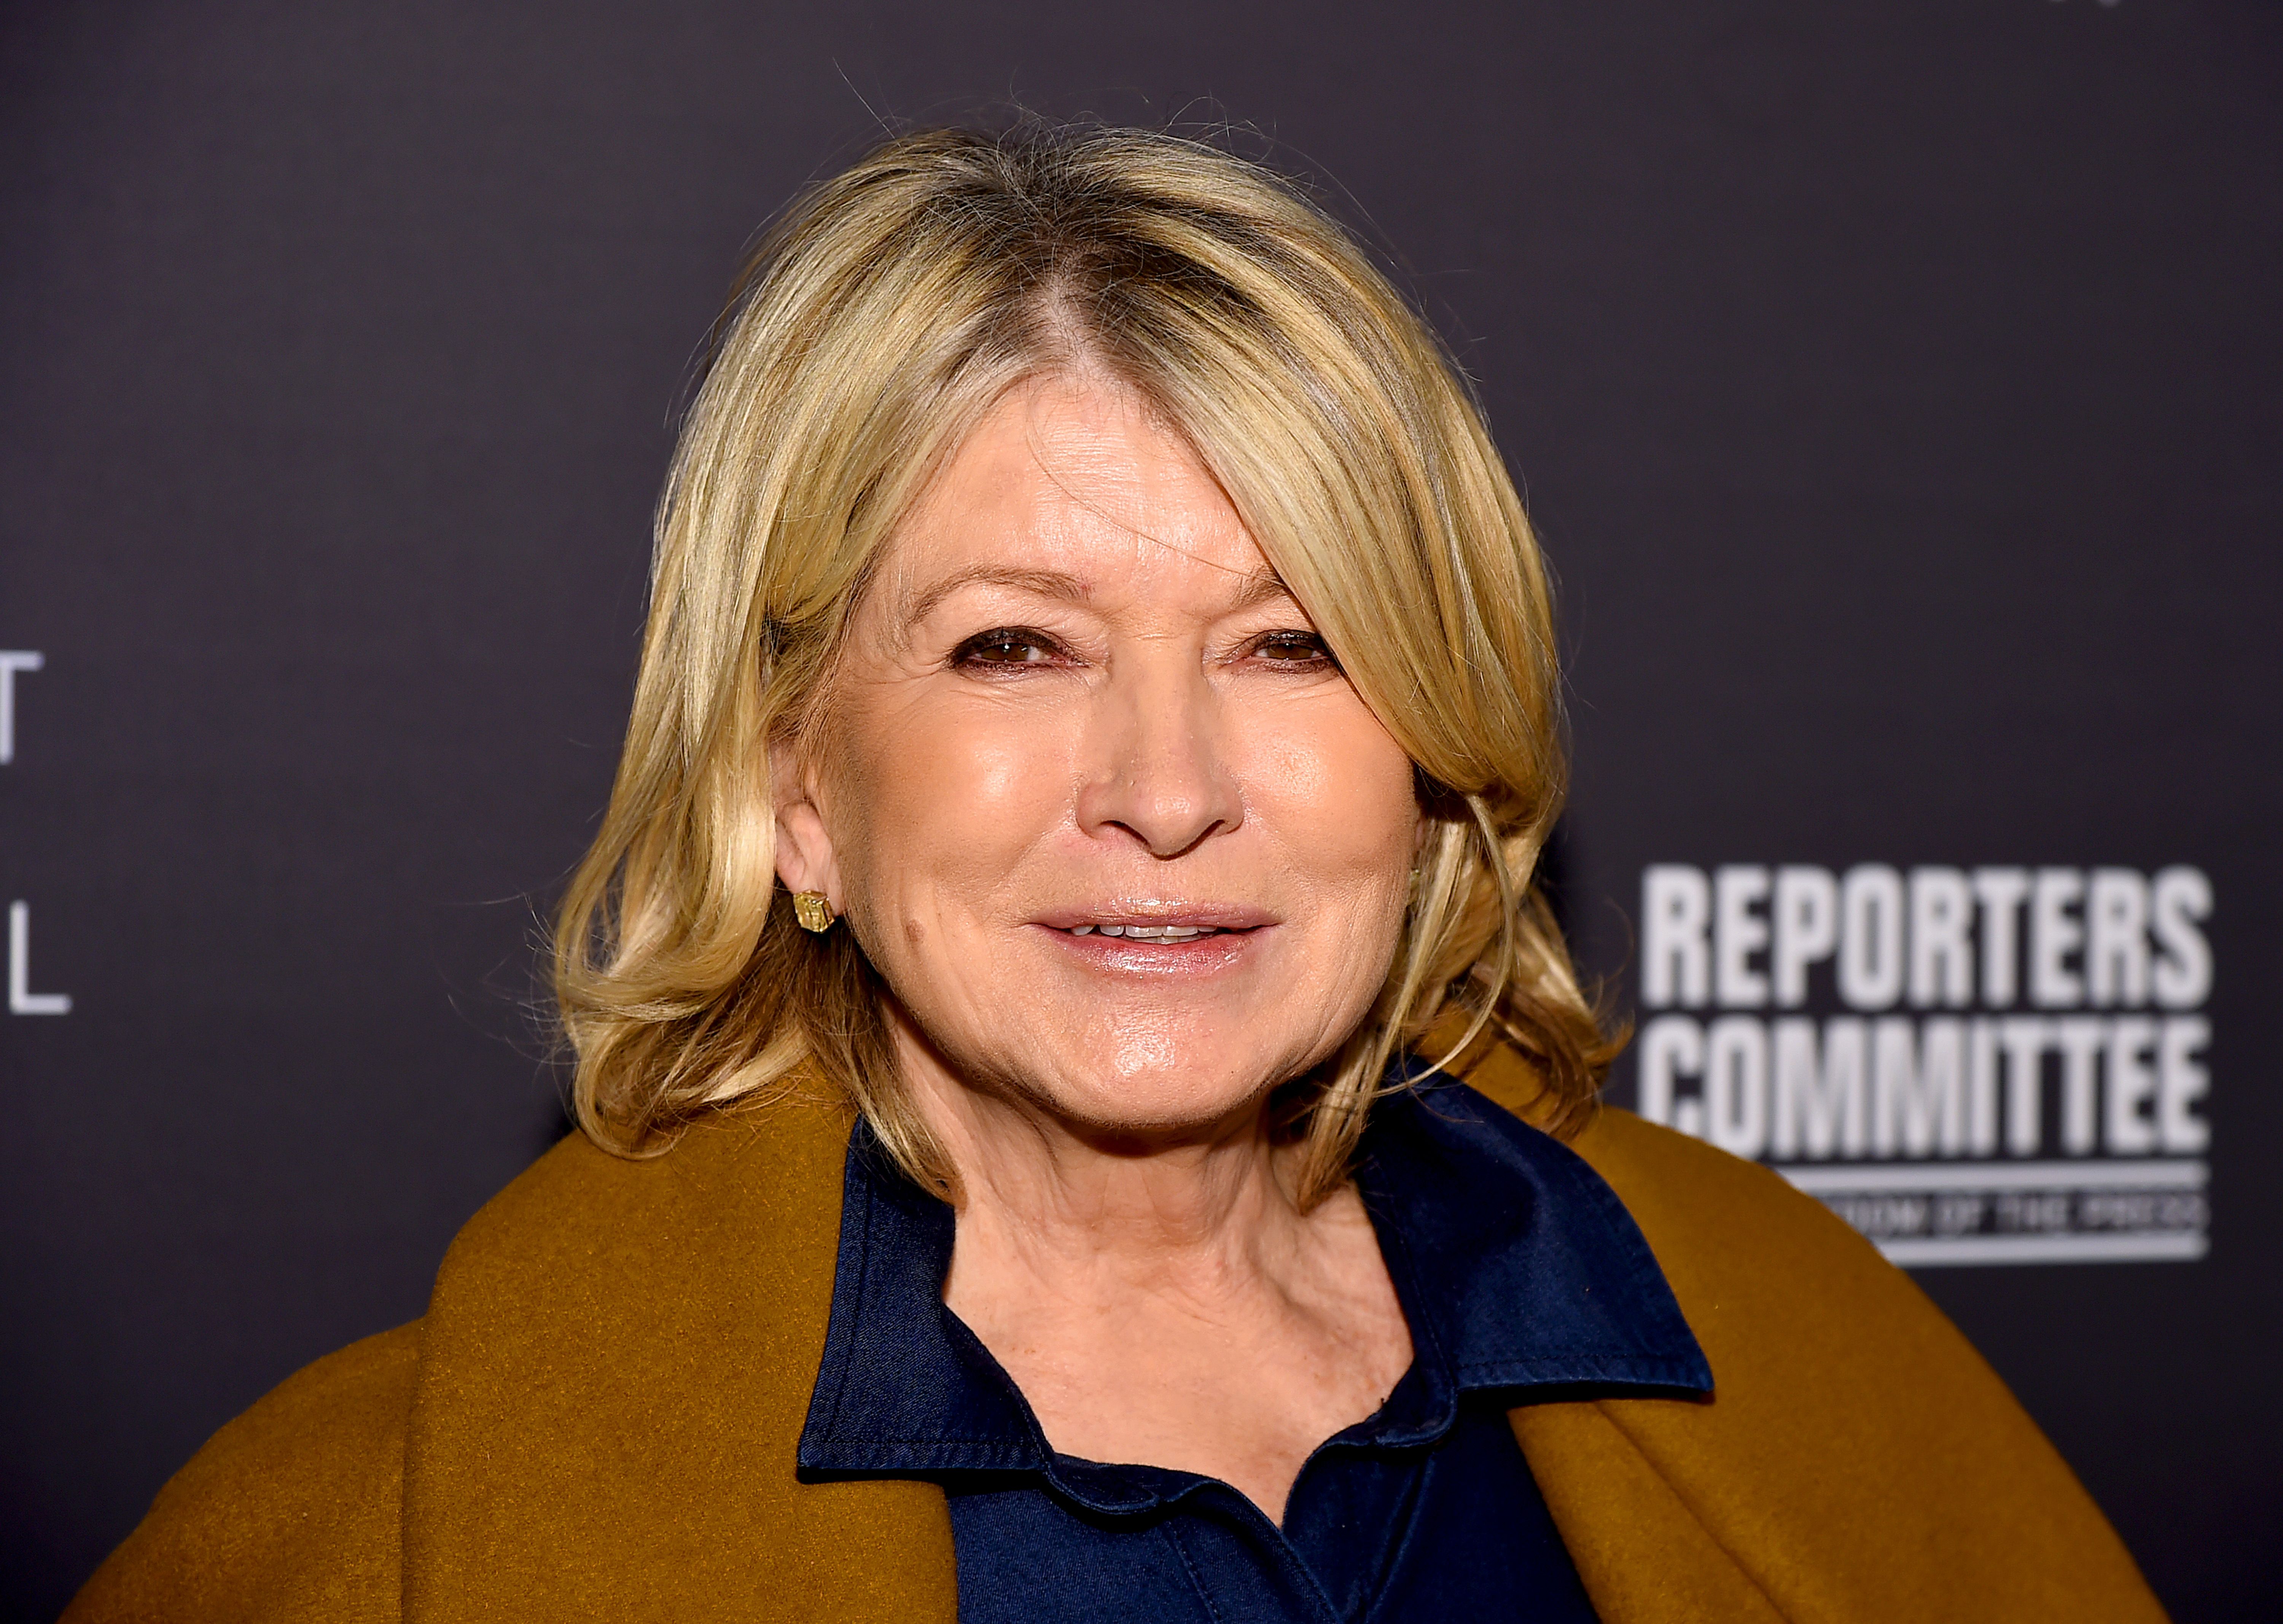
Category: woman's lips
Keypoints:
(1192, 957)
(1191, 940)
(1151, 920)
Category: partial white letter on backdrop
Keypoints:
(12, 661)
(21, 999)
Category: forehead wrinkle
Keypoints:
(1258, 586)
(1250, 588)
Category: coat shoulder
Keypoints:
(585, 1208)
(614, 1373)
(290, 1513)
(1857, 1459)
(1712, 1216)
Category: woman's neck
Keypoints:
(1160, 1298)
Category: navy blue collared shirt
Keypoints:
(1521, 1277)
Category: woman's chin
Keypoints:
(1153, 1100)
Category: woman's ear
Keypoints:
(804, 854)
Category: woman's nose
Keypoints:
(1155, 771)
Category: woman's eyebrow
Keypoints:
(1258, 587)
(1045, 582)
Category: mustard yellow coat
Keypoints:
(597, 1420)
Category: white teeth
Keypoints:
(1148, 932)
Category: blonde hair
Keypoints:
(889, 309)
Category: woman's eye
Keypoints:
(1006, 647)
(1293, 648)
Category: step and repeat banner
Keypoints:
(1895, 389)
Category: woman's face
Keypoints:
(1119, 836)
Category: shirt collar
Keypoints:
(1518, 1268)
(1527, 1268)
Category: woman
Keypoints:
(1096, 728)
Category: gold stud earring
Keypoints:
(814, 910)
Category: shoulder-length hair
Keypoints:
(878, 320)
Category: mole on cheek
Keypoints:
(915, 932)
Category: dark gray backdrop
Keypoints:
(1895, 385)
